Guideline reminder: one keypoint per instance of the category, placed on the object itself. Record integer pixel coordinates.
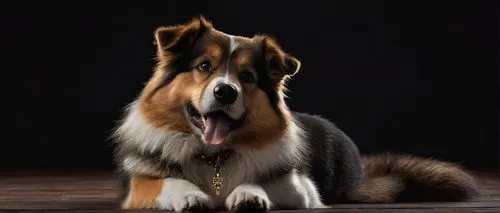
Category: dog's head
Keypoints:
(226, 89)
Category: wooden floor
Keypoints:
(96, 191)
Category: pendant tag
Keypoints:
(217, 179)
(217, 182)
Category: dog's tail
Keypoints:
(404, 178)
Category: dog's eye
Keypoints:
(247, 77)
(204, 66)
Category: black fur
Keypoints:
(152, 159)
(124, 184)
(333, 160)
(344, 176)
(335, 164)
(184, 52)
(264, 80)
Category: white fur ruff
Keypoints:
(178, 195)
(240, 171)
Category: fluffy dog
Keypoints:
(211, 130)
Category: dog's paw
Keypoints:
(248, 198)
(180, 195)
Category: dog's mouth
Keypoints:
(215, 126)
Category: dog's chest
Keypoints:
(218, 181)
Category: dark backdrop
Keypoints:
(397, 76)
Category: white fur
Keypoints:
(135, 131)
(208, 102)
(293, 191)
(314, 201)
(133, 165)
(233, 44)
(178, 195)
(246, 166)
(248, 192)
(240, 171)
(287, 192)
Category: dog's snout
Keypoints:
(225, 93)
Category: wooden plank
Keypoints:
(100, 204)
(97, 192)
(480, 210)
(62, 206)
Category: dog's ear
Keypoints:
(177, 38)
(278, 63)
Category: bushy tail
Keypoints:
(403, 178)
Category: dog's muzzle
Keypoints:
(221, 111)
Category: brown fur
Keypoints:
(265, 126)
(388, 178)
(164, 107)
(143, 193)
(405, 178)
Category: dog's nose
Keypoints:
(225, 93)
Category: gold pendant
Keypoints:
(217, 180)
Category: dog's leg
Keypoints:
(142, 193)
(293, 191)
(248, 197)
(172, 194)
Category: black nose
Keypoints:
(225, 93)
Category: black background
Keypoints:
(399, 76)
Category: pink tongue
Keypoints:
(216, 129)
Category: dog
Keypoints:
(211, 130)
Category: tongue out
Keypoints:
(216, 129)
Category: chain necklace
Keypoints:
(216, 161)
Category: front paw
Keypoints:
(180, 195)
(248, 198)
